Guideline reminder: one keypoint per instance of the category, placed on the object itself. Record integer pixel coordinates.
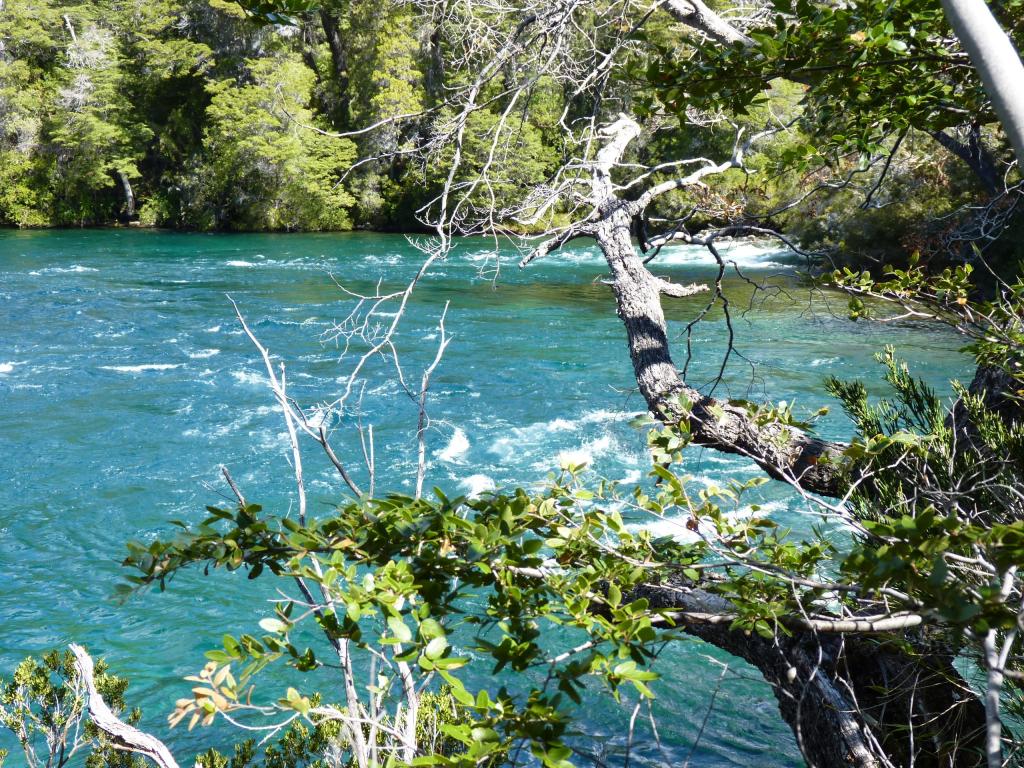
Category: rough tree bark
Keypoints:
(697, 15)
(784, 452)
(129, 195)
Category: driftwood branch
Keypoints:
(231, 484)
(553, 244)
(122, 735)
(423, 421)
(860, 625)
(678, 290)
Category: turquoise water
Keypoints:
(125, 383)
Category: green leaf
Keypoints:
(399, 629)
(274, 626)
(614, 595)
(436, 647)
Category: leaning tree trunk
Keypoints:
(785, 453)
(339, 66)
(129, 196)
(851, 700)
(974, 155)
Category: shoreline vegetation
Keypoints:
(189, 115)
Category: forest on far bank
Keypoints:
(189, 114)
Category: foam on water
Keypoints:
(474, 485)
(239, 263)
(249, 377)
(203, 354)
(820, 361)
(632, 477)
(676, 526)
(63, 270)
(6, 367)
(752, 255)
(141, 368)
(516, 440)
(319, 417)
(586, 453)
(112, 334)
(457, 447)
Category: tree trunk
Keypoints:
(996, 61)
(852, 700)
(339, 63)
(435, 70)
(788, 454)
(123, 736)
(308, 31)
(974, 154)
(129, 196)
(695, 14)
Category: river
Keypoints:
(126, 382)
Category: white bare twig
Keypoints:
(422, 421)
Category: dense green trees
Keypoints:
(262, 170)
(184, 113)
(178, 113)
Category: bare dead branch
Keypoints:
(123, 736)
(421, 426)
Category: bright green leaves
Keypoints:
(934, 532)
(414, 580)
(871, 70)
(942, 294)
(435, 648)
(264, 170)
(294, 700)
(273, 625)
(401, 632)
